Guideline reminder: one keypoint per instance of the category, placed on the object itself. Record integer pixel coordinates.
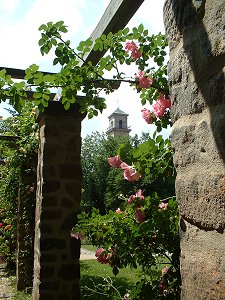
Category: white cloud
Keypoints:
(8, 6)
(20, 37)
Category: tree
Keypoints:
(96, 148)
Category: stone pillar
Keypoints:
(196, 36)
(25, 228)
(56, 257)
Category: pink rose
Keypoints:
(137, 195)
(139, 216)
(119, 211)
(129, 172)
(100, 256)
(115, 161)
(131, 199)
(165, 271)
(133, 49)
(146, 114)
(163, 206)
(161, 104)
(76, 235)
(143, 81)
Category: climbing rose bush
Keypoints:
(161, 104)
(129, 172)
(133, 49)
(143, 230)
(115, 161)
(146, 114)
(143, 81)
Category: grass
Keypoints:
(93, 283)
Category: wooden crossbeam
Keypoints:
(116, 17)
(19, 73)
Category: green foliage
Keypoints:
(21, 160)
(149, 242)
(77, 75)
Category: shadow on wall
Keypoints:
(197, 77)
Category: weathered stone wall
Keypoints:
(56, 265)
(196, 35)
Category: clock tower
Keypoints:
(118, 124)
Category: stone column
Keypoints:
(25, 228)
(56, 257)
(196, 35)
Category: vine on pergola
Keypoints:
(79, 76)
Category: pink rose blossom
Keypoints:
(131, 199)
(129, 172)
(102, 258)
(115, 161)
(76, 235)
(163, 287)
(163, 206)
(143, 81)
(119, 211)
(139, 216)
(165, 271)
(146, 114)
(161, 104)
(137, 195)
(133, 49)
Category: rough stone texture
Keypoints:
(56, 261)
(202, 263)
(196, 35)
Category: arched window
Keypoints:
(120, 123)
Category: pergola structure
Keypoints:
(56, 256)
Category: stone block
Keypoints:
(51, 214)
(51, 186)
(69, 272)
(47, 271)
(51, 243)
(202, 264)
(70, 171)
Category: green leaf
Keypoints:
(2, 73)
(43, 27)
(126, 31)
(115, 270)
(66, 105)
(145, 33)
(63, 29)
(41, 42)
(140, 28)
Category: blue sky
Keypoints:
(19, 35)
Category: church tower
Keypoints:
(118, 124)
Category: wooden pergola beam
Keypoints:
(19, 73)
(116, 17)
